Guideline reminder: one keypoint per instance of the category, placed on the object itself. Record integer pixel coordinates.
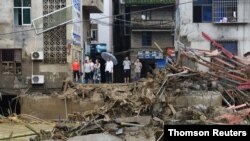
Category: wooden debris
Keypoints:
(32, 129)
(172, 109)
(18, 136)
(32, 118)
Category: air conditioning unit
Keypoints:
(37, 55)
(37, 79)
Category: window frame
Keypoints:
(145, 34)
(148, 15)
(218, 16)
(92, 31)
(14, 62)
(22, 13)
(216, 4)
(202, 7)
(223, 42)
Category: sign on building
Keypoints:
(76, 14)
(147, 54)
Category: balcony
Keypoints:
(153, 24)
(93, 6)
(141, 2)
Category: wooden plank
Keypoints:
(172, 108)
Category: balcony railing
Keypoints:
(153, 24)
(230, 11)
(149, 1)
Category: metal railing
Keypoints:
(231, 11)
(153, 24)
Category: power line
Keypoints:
(150, 9)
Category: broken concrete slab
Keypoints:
(96, 97)
(143, 120)
(146, 134)
(206, 98)
(95, 137)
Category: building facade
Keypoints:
(101, 26)
(226, 21)
(24, 54)
(148, 25)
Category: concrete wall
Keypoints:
(47, 107)
(86, 25)
(6, 41)
(190, 33)
(6, 23)
(163, 39)
(28, 41)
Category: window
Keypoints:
(146, 38)
(94, 34)
(225, 11)
(22, 12)
(230, 46)
(222, 11)
(10, 61)
(146, 15)
(202, 11)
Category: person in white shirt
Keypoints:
(109, 70)
(126, 68)
(87, 71)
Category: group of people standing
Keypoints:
(92, 71)
(127, 66)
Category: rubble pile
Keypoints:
(139, 110)
(146, 97)
(230, 71)
(144, 106)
